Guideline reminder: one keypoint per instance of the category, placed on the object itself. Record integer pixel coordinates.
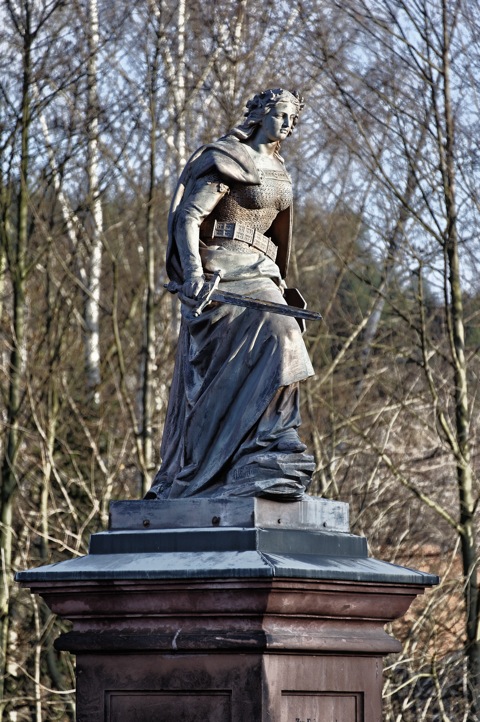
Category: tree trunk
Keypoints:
(17, 264)
(455, 321)
(95, 225)
(148, 351)
(181, 144)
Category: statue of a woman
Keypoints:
(233, 414)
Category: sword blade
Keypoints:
(235, 299)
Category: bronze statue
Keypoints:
(231, 426)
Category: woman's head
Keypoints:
(261, 105)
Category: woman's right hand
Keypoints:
(193, 285)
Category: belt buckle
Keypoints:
(223, 229)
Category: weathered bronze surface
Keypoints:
(231, 426)
(210, 294)
(312, 513)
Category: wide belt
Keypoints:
(246, 234)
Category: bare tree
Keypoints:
(399, 108)
(27, 22)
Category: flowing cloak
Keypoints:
(233, 410)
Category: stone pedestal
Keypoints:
(238, 611)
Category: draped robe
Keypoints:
(233, 413)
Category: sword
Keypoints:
(210, 292)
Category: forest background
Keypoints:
(101, 102)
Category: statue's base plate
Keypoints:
(310, 513)
(236, 538)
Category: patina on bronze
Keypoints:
(233, 415)
(210, 294)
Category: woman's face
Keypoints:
(278, 123)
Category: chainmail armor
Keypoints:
(255, 205)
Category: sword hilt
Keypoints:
(205, 294)
(204, 300)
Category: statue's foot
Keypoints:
(284, 491)
(289, 443)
